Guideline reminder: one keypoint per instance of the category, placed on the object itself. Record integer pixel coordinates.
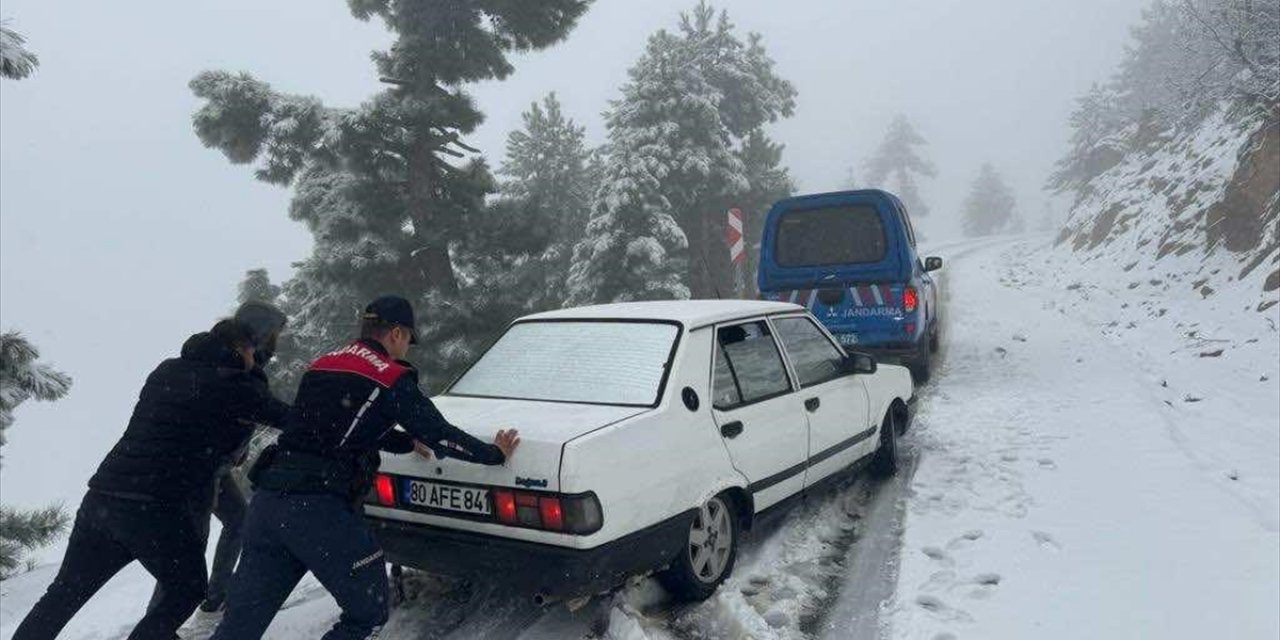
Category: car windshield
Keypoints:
(829, 236)
(601, 362)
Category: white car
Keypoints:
(652, 436)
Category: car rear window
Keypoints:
(830, 235)
(620, 363)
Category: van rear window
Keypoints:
(830, 235)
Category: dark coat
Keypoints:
(193, 414)
(346, 411)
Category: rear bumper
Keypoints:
(547, 572)
(891, 353)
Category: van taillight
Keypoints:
(909, 299)
(578, 513)
(385, 489)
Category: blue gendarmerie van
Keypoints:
(850, 257)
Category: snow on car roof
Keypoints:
(690, 313)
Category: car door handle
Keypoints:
(731, 429)
(812, 404)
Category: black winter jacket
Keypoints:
(348, 405)
(193, 413)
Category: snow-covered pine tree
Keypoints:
(22, 378)
(768, 182)
(897, 165)
(1157, 47)
(672, 171)
(292, 355)
(989, 208)
(544, 205)
(257, 287)
(1186, 59)
(1231, 52)
(1187, 56)
(16, 62)
(387, 189)
(1097, 143)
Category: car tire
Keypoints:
(885, 462)
(709, 554)
(919, 364)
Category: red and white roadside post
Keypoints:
(734, 238)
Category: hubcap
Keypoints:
(710, 540)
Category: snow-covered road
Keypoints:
(1060, 482)
(1058, 495)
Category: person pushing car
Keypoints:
(264, 323)
(149, 500)
(305, 514)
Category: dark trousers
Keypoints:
(109, 533)
(229, 507)
(287, 535)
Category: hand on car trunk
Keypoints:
(422, 449)
(507, 440)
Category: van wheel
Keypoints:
(919, 365)
(885, 462)
(708, 556)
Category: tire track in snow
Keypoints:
(870, 583)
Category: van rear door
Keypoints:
(812, 242)
(845, 257)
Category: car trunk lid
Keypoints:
(544, 429)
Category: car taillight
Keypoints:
(578, 513)
(385, 490)
(527, 509)
(505, 504)
(909, 299)
(582, 514)
(552, 518)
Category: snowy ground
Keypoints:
(1077, 469)
(1085, 472)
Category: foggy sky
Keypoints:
(120, 234)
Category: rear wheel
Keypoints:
(920, 362)
(708, 557)
(885, 462)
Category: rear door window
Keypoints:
(752, 363)
(812, 355)
(830, 236)
(724, 393)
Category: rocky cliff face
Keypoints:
(1196, 210)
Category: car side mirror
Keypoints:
(858, 362)
(932, 263)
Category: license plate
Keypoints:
(847, 338)
(448, 497)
